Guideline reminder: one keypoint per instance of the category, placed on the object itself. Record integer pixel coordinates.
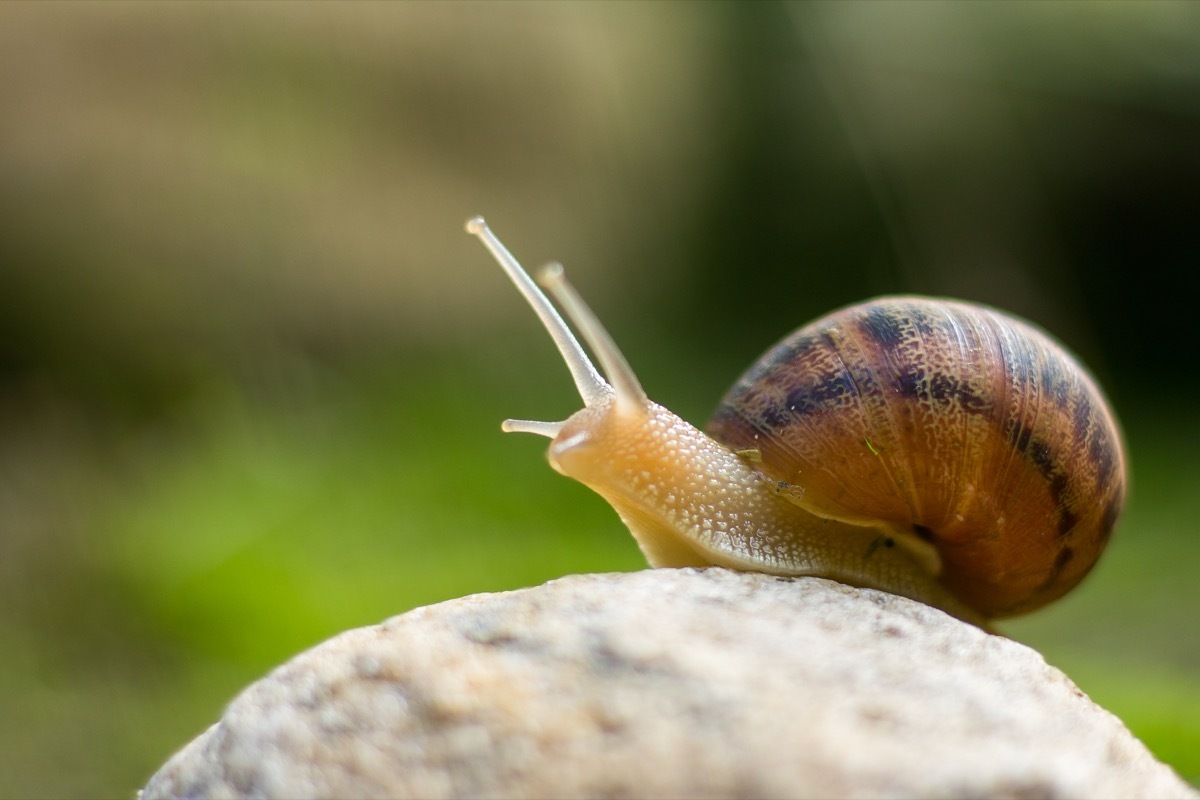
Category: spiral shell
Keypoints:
(967, 428)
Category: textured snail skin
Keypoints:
(946, 422)
(690, 501)
(934, 449)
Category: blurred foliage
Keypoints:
(251, 369)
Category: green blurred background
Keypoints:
(252, 369)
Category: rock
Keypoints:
(668, 683)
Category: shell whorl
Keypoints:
(959, 424)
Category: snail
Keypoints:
(934, 449)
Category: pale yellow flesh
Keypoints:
(690, 501)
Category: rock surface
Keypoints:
(668, 683)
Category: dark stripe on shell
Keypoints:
(1056, 570)
(880, 324)
(1047, 463)
(831, 392)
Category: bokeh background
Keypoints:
(252, 369)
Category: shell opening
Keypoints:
(593, 388)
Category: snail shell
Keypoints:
(968, 428)
(934, 449)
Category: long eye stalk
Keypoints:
(629, 390)
(592, 387)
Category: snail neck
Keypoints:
(687, 499)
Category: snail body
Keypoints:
(938, 450)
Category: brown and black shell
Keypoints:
(970, 428)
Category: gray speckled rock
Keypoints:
(668, 683)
